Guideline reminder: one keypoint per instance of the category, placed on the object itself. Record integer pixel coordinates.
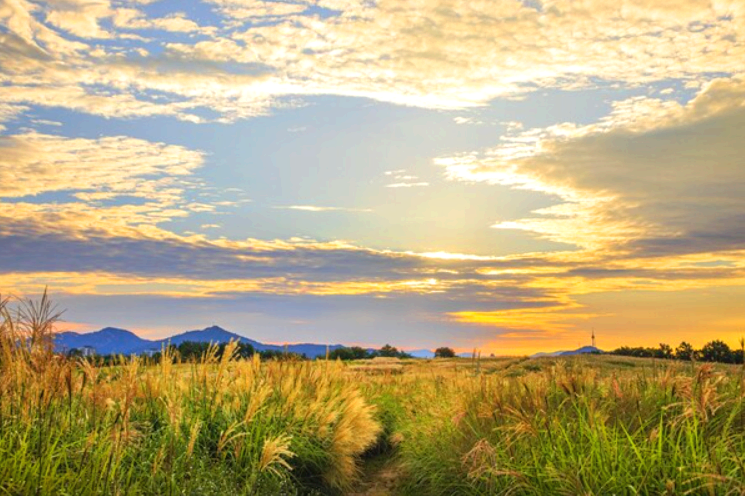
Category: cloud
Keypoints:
(433, 54)
(95, 169)
(407, 185)
(79, 17)
(466, 120)
(9, 112)
(654, 177)
(404, 180)
(245, 10)
(177, 22)
(315, 208)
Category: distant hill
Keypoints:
(421, 353)
(107, 341)
(579, 351)
(213, 334)
(112, 341)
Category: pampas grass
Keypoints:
(215, 426)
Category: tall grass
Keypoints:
(575, 426)
(216, 426)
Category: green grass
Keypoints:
(580, 425)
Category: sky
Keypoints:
(500, 175)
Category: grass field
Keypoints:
(577, 425)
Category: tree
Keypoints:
(281, 356)
(738, 356)
(716, 351)
(192, 350)
(388, 351)
(245, 350)
(444, 352)
(352, 353)
(635, 352)
(664, 351)
(685, 351)
(341, 354)
(359, 352)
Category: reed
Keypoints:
(214, 426)
(574, 426)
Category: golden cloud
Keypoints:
(431, 54)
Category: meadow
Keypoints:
(223, 425)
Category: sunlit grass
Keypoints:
(584, 425)
(218, 425)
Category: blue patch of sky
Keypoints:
(322, 12)
(716, 263)
(546, 107)
(68, 196)
(202, 13)
(680, 93)
(47, 197)
(533, 4)
(206, 14)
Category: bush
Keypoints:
(444, 352)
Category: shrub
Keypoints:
(444, 352)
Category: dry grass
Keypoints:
(219, 425)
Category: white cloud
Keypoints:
(407, 185)
(35, 163)
(116, 184)
(435, 54)
(9, 112)
(404, 180)
(315, 208)
(176, 22)
(79, 17)
(466, 120)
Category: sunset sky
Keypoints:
(502, 175)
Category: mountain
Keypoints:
(579, 351)
(216, 334)
(106, 341)
(421, 353)
(213, 334)
(111, 341)
(582, 351)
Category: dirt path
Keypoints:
(380, 475)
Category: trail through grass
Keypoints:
(380, 476)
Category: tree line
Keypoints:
(713, 351)
(193, 351)
(359, 353)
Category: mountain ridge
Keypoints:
(115, 341)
